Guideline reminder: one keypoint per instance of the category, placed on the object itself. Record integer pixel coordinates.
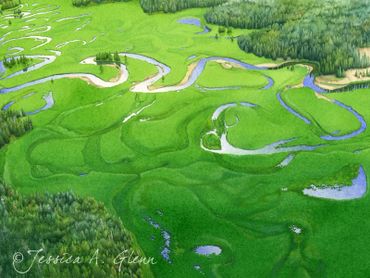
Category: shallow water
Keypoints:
(134, 114)
(221, 109)
(56, 52)
(296, 229)
(8, 105)
(227, 148)
(166, 249)
(309, 82)
(63, 44)
(71, 17)
(286, 161)
(163, 70)
(2, 68)
(341, 192)
(204, 89)
(269, 84)
(46, 60)
(87, 76)
(49, 103)
(195, 73)
(17, 49)
(207, 250)
(190, 21)
(37, 38)
(352, 134)
(38, 30)
(205, 30)
(291, 110)
(330, 137)
(195, 22)
(276, 147)
(165, 252)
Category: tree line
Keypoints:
(13, 124)
(171, 6)
(328, 32)
(14, 61)
(62, 223)
(151, 6)
(9, 4)
(107, 58)
(79, 3)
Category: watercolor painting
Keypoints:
(184, 138)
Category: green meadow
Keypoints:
(151, 164)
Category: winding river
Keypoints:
(352, 134)
(146, 86)
(191, 77)
(47, 59)
(194, 71)
(330, 137)
(227, 148)
(45, 40)
(90, 78)
(309, 82)
(291, 110)
(49, 103)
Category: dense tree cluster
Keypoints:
(324, 31)
(59, 225)
(79, 3)
(8, 4)
(12, 124)
(353, 86)
(251, 15)
(107, 58)
(17, 13)
(14, 61)
(171, 6)
(62, 224)
(151, 6)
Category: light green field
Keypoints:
(19, 68)
(230, 77)
(330, 117)
(154, 162)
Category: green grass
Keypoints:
(260, 126)
(154, 161)
(230, 77)
(19, 67)
(329, 117)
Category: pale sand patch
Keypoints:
(321, 96)
(190, 70)
(365, 51)
(118, 77)
(327, 86)
(228, 65)
(332, 81)
(268, 65)
(87, 80)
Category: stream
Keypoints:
(145, 86)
